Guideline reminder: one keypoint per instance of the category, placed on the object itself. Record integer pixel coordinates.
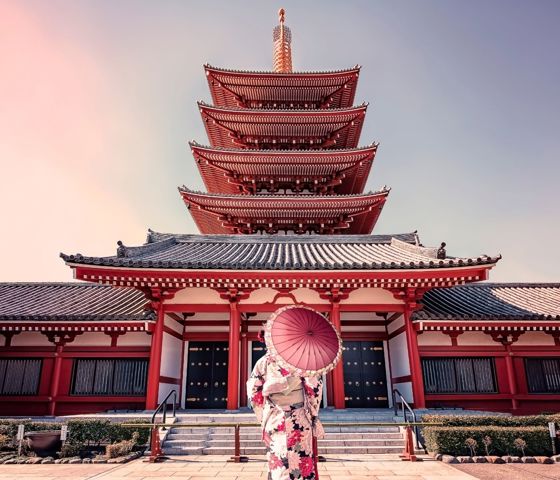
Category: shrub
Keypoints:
(472, 444)
(69, 450)
(451, 440)
(5, 441)
(122, 448)
(493, 420)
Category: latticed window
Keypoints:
(110, 377)
(20, 376)
(543, 375)
(459, 375)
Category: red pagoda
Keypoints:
(285, 220)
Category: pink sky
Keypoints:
(98, 100)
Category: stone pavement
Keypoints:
(511, 471)
(204, 467)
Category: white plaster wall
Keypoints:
(535, 339)
(434, 338)
(475, 338)
(376, 328)
(206, 329)
(398, 351)
(209, 316)
(171, 356)
(92, 339)
(395, 324)
(372, 296)
(25, 339)
(164, 389)
(262, 295)
(134, 338)
(196, 295)
(173, 324)
(360, 316)
(406, 390)
(306, 295)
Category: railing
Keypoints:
(155, 447)
(157, 453)
(163, 407)
(407, 408)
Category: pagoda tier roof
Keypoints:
(308, 90)
(351, 214)
(493, 301)
(280, 252)
(283, 129)
(40, 302)
(250, 171)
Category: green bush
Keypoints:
(452, 440)
(82, 433)
(492, 420)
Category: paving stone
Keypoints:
(479, 459)
(464, 459)
(545, 460)
(495, 459)
(449, 459)
(528, 459)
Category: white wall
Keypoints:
(26, 339)
(171, 356)
(434, 339)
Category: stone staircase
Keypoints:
(338, 439)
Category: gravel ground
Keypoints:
(511, 471)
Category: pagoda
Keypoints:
(283, 154)
(285, 220)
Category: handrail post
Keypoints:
(237, 457)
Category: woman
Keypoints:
(287, 408)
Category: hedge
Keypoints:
(492, 420)
(451, 440)
(82, 433)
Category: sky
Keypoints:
(98, 102)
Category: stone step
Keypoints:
(322, 443)
(329, 435)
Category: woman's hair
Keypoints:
(260, 336)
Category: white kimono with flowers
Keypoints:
(287, 431)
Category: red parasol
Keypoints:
(303, 341)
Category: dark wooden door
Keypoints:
(365, 379)
(258, 349)
(207, 374)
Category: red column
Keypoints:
(55, 379)
(511, 376)
(152, 390)
(243, 365)
(338, 372)
(233, 356)
(414, 359)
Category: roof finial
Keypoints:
(282, 37)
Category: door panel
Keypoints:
(365, 379)
(207, 375)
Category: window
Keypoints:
(110, 377)
(20, 376)
(459, 375)
(543, 375)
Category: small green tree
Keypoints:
(487, 441)
(472, 444)
(520, 444)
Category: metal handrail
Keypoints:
(163, 406)
(405, 406)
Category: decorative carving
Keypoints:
(506, 338)
(61, 338)
(121, 250)
(442, 253)
(282, 37)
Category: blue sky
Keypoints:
(98, 101)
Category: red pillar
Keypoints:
(233, 356)
(243, 365)
(511, 376)
(338, 372)
(55, 379)
(414, 359)
(154, 368)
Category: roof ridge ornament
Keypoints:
(282, 38)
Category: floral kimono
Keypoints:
(288, 428)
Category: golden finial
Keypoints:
(282, 38)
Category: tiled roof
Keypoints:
(257, 129)
(69, 302)
(493, 301)
(229, 170)
(233, 88)
(248, 214)
(279, 252)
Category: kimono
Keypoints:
(287, 429)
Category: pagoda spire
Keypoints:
(282, 37)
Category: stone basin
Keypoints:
(45, 443)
